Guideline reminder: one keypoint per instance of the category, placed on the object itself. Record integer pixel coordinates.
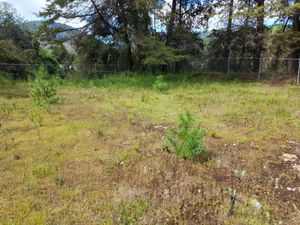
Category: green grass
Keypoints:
(98, 157)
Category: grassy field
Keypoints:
(98, 156)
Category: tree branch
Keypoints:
(101, 16)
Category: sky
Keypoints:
(27, 8)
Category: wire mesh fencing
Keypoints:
(250, 68)
(240, 68)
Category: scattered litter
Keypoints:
(296, 167)
(276, 183)
(255, 204)
(219, 163)
(145, 170)
(160, 127)
(293, 189)
(142, 134)
(239, 173)
(126, 142)
(166, 193)
(292, 142)
(289, 157)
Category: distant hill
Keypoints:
(35, 24)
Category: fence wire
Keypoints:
(243, 68)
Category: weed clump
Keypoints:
(43, 92)
(186, 141)
(6, 108)
(160, 84)
(131, 212)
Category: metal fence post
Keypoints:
(228, 65)
(174, 67)
(259, 69)
(298, 76)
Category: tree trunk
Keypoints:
(293, 64)
(180, 13)
(246, 24)
(129, 51)
(127, 41)
(228, 30)
(170, 27)
(259, 40)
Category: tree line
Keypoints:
(145, 34)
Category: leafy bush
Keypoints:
(36, 116)
(43, 92)
(160, 85)
(186, 141)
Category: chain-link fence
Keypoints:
(240, 68)
(249, 68)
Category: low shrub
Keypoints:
(160, 84)
(186, 141)
(43, 92)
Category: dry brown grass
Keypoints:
(100, 151)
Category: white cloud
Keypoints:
(29, 8)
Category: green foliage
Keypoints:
(186, 141)
(58, 181)
(160, 85)
(49, 61)
(157, 53)
(16, 43)
(6, 108)
(131, 212)
(36, 116)
(43, 92)
(42, 171)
